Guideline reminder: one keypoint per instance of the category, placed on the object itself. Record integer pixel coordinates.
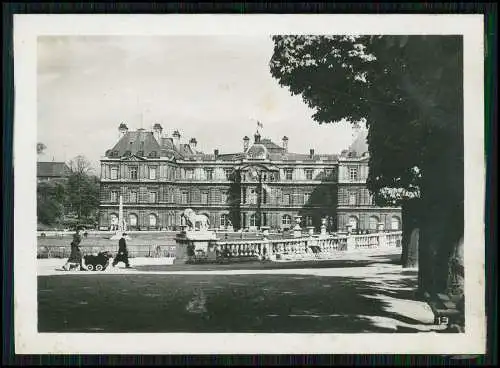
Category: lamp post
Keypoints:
(258, 215)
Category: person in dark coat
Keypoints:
(75, 257)
(122, 255)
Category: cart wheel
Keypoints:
(98, 267)
(90, 267)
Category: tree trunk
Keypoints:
(409, 255)
(412, 251)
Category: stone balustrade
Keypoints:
(305, 247)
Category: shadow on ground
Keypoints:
(382, 299)
(257, 265)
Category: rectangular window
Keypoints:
(114, 172)
(223, 197)
(306, 198)
(114, 196)
(133, 196)
(286, 199)
(189, 174)
(353, 173)
(209, 173)
(133, 172)
(288, 174)
(204, 197)
(328, 174)
(152, 197)
(309, 174)
(152, 173)
(228, 173)
(184, 197)
(352, 199)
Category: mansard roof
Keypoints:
(144, 143)
(135, 142)
(52, 169)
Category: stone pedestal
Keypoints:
(351, 242)
(297, 231)
(322, 232)
(190, 243)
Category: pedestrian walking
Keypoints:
(75, 257)
(122, 255)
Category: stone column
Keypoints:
(382, 239)
(351, 242)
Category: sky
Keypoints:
(212, 88)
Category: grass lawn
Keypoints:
(209, 302)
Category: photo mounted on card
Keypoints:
(249, 184)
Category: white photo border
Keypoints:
(27, 339)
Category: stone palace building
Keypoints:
(159, 176)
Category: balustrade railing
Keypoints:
(307, 247)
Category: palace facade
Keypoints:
(159, 176)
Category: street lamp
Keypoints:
(258, 216)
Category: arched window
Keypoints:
(353, 221)
(152, 220)
(224, 220)
(252, 196)
(132, 219)
(309, 220)
(286, 220)
(373, 222)
(253, 220)
(395, 223)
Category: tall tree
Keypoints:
(408, 89)
(50, 202)
(82, 189)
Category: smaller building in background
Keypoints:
(52, 171)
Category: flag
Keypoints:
(259, 124)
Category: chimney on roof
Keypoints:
(246, 140)
(192, 144)
(285, 143)
(311, 153)
(157, 129)
(216, 153)
(176, 138)
(122, 129)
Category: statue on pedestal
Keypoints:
(194, 221)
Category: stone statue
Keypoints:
(193, 219)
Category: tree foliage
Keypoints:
(50, 202)
(78, 195)
(82, 188)
(408, 90)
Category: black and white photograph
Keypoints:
(236, 184)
